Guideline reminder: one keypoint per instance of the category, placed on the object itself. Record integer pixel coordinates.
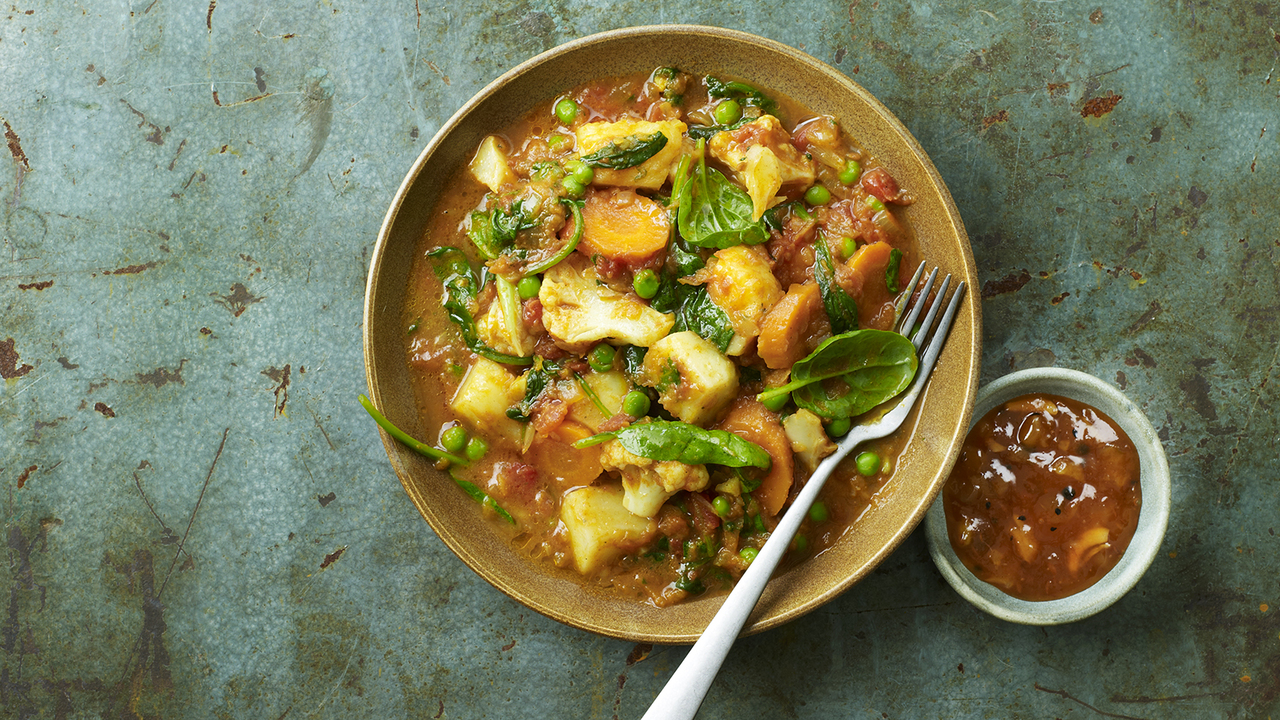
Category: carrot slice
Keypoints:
(783, 328)
(750, 420)
(623, 225)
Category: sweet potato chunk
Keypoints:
(782, 332)
(750, 420)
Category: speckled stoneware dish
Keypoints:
(1152, 519)
(936, 429)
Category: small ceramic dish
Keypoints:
(1152, 518)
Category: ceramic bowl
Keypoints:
(937, 427)
(1152, 518)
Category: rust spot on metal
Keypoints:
(9, 367)
(205, 331)
(67, 364)
(1058, 299)
(208, 19)
(1095, 17)
(160, 377)
(15, 146)
(1140, 357)
(22, 479)
(131, 269)
(1012, 282)
(104, 409)
(639, 653)
(1145, 318)
(281, 377)
(1099, 106)
(174, 161)
(238, 300)
(1056, 89)
(326, 499)
(157, 135)
(508, 646)
(999, 117)
(332, 557)
(258, 79)
(1122, 380)
(36, 285)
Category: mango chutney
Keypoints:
(1044, 498)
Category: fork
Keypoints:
(683, 693)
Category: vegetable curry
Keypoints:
(640, 317)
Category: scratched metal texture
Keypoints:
(200, 521)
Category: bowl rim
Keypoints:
(773, 617)
(1153, 517)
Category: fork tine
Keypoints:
(904, 297)
(927, 322)
(909, 321)
(944, 327)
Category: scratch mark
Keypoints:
(321, 427)
(437, 71)
(281, 377)
(1152, 311)
(174, 161)
(337, 686)
(192, 520)
(1067, 696)
(317, 111)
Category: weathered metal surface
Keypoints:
(200, 520)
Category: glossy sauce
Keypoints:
(1044, 498)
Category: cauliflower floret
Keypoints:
(762, 158)
(482, 400)
(490, 167)
(651, 173)
(646, 484)
(694, 381)
(808, 439)
(502, 333)
(600, 528)
(740, 281)
(578, 311)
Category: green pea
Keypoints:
(572, 188)
(646, 283)
(800, 544)
(528, 287)
(868, 463)
(748, 553)
(720, 505)
(454, 439)
(728, 112)
(874, 203)
(476, 448)
(818, 512)
(777, 402)
(817, 195)
(849, 175)
(557, 143)
(580, 171)
(601, 357)
(566, 111)
(839, 427)
(636, 404)
(849, 246)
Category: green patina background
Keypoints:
(200, 520)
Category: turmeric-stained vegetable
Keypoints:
(872, 260)
(490, 167)
(623, 225)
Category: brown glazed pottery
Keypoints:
(936, 428)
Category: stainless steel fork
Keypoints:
(683, 693)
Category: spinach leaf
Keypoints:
(842, 310)
(633, 360)
(891, 272)
(539, 379)
(698, 313)
(461, 285)
(714, 212)
(850, 374)
(575, 207)
(627, 152)
(494, 231)
(705, 132)
(664, 440)
(742, 92)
